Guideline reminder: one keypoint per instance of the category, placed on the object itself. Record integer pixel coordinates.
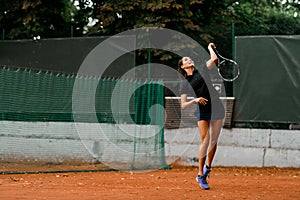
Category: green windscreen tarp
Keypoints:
(268, 89)
(120, 123)
(66, 55)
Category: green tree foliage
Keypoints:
(266, 17)
(23, 19)
(203, 20)
(190, 17)
(117, 16)
(81, 14)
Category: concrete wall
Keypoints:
(63, 141)
(52, 141)
(238, 147)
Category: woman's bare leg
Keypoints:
(215, 129)
(203, 126)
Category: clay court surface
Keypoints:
(175, 183)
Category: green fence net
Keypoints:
(36, 109)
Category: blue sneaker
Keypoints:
(202, 182)
(206, 171)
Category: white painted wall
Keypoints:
(58, 141)
(238, 147)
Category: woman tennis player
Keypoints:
(209, 111)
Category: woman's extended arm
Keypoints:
(213, 57)
(186, 104)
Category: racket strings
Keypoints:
(228, 70)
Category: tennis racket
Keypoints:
(228, 69)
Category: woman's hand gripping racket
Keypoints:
(228, 69)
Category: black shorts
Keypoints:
(212, 111)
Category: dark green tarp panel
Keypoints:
(65, 55)
(268, 89)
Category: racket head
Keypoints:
(229, 70)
